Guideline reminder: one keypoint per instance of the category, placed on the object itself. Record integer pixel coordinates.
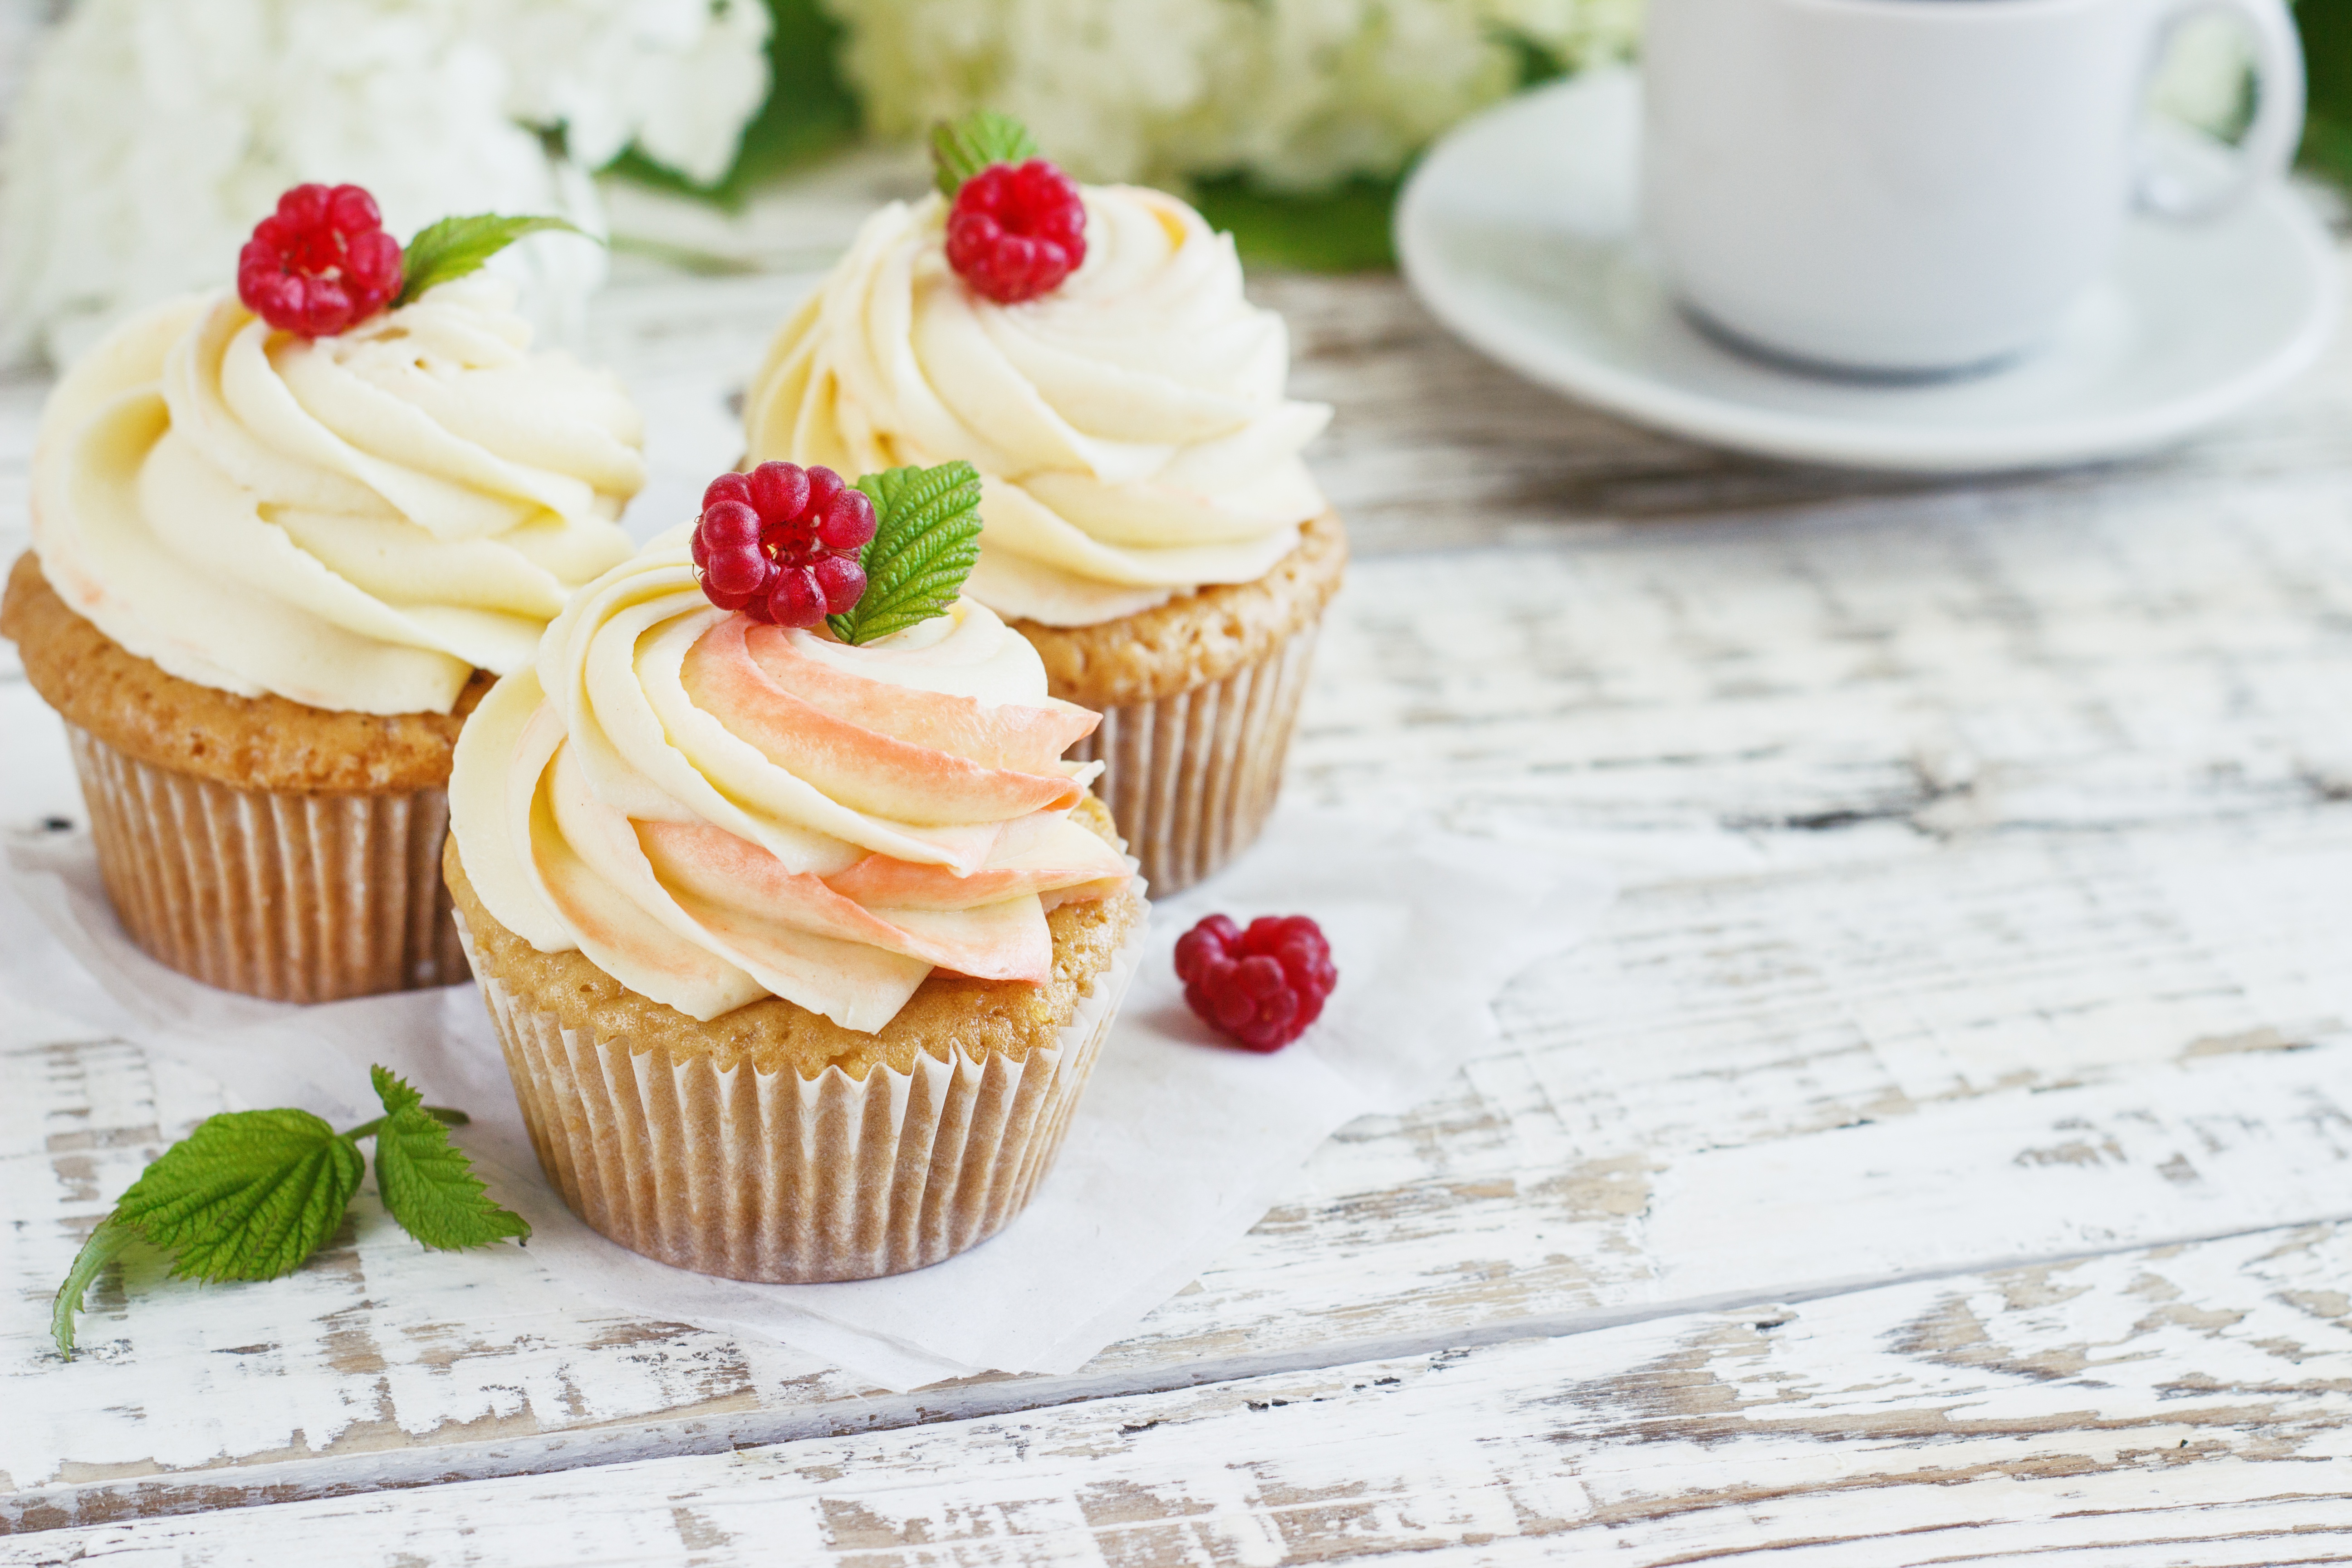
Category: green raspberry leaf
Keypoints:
(457, 246)
(251, 1194)
(393, 1089)
(105, 1244)
(247, 1195)
(429, 1185)
(926, 542)
(963, 148)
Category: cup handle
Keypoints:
(2277, 129)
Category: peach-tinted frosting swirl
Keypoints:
(356, 522)
(1131, 428)
(713, 811)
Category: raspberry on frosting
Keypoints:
(1262, 986)
(1016, 230)
(781, 543)
(319, 263)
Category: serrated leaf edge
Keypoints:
(166, 1221)
(116, 1231)
(469, 1187)
(393, 1090)
(962, 148)
(431, 257)
(932, 514)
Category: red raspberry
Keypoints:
(1264, 985)
(781, 543)
(1016, 230)
(319, 263)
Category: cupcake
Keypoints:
(1150, 529)
(283, 539)
(799, 935)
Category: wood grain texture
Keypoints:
(2182, 1406)
(1986, 852)
(1436, 448)
(1732, 1099)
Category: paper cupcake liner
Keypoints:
(289, 896)
(786, 1180)
(1191, 778)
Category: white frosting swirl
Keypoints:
(713, 811)
(355, 522)
(1129, 428)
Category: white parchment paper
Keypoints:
(1178, 1148)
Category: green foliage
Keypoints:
(810, 112)
(251, 1195)
(393, 1090)
(105, 1244)
(428, 1184)
(2326, 27)
(457, 246)
(926, 542)
(1345, 229)
(1533, 62)
(247, 1195)
(962, 149)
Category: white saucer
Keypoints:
(1517, 230)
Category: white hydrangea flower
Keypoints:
(1104, 84)
(151, 134)
(678, 78)
(1298, 93)
(1312, 90)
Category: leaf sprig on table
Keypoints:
(251, 1195)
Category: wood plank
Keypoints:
(1434, 447)
(1726, 697)
(1964, 814)
(2189, 1405)
(1437, 447)
(1661, 1134)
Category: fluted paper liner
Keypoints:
(286, 896)
(1192, 778)
(786, 1180)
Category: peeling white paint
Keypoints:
(1989, 856)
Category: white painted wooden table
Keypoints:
(1944, 1152)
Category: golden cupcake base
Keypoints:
(1191, 777)
(1199, 697)
(769, 1143)
(286, 896)
(258, 845)
(773, 1177)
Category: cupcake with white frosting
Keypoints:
(282, 540)
(799, 934)
(1149, 525)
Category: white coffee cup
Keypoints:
(1913, 186)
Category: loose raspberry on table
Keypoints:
(1262, 986)
(781, 543)
(1016, 230)
(319, 263)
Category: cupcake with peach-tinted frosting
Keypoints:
(1150, 526)
(283, 538)
(798, 934)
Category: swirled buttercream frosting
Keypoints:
(714, 811)
(355, 522)
(1131, 428)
